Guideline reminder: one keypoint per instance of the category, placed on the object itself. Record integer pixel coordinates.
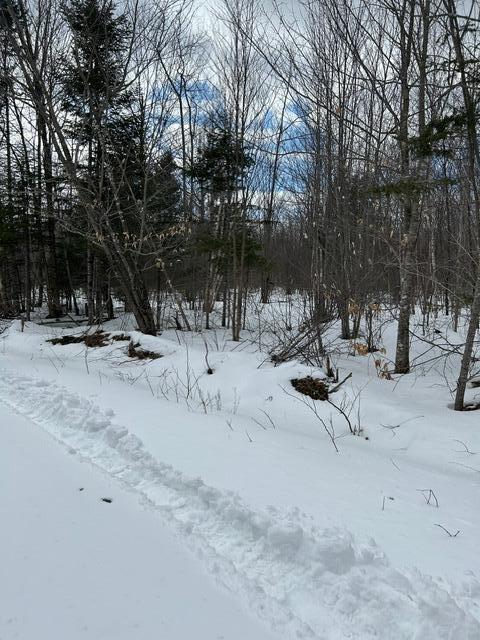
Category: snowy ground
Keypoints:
(314, 543)
(74, 566)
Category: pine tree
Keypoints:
(8, 236)
(100, 108)
(94, 91)
(221, 164)
(220, 169)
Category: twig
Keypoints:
(313, 408)
(343, 413)
(86, 360)
(262, 426)
(268, 418)
(429, 496)
(449, 533)
(392, 427)
(209, 368)
(466, 466)
(337, 387)
(386, 498)
(466, 449)
(395, 464)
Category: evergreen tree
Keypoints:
(220, 170)
(94, 90)
(222, 163)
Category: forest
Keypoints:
(175, 158)
(239, 319)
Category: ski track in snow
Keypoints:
(304, 582)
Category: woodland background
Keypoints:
(161, 156)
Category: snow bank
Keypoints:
(307, 582)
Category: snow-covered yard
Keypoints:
(76, 566)
(286, 536)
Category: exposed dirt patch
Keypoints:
(135, 351)
(102, 339)
(316, 388)
(120, 337)
(67, 340)
(471, 406)
(98, 339)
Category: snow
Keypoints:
(74, 566)
(314, 543)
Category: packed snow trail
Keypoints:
(305, 582)
(75, 567)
